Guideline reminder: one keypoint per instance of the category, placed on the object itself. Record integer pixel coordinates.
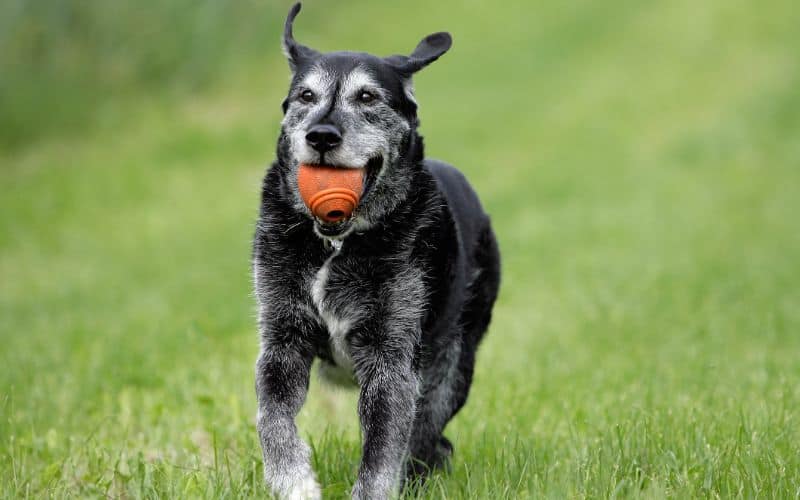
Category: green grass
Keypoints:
(640, 161)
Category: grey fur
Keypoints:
(396, 298)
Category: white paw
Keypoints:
(305, 489)
(294, 484)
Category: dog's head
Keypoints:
(354, 110)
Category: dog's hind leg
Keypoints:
(477, 312)
(428, 448)
(447, 387)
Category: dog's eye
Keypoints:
(306, 96)
(366, 97)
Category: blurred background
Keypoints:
(641, 163)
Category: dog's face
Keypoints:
(345, 110)
(352, 110)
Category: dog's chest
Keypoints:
(333, 310)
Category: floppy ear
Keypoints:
(429, 49)
(295, 52)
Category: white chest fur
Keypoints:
(338, 326)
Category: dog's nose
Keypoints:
(323, 137)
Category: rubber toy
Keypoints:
(331, 193)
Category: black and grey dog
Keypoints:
(398, 294)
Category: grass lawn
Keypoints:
(641, 163)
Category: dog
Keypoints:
(397, 294)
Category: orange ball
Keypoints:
(331, 193)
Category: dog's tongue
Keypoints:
(331, 193)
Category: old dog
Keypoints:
(394, 295)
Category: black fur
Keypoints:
(413, 277)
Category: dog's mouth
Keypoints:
(335, 194)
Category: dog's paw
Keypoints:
(306, 489)
(299, 484)
(435, 458)
(444, 448)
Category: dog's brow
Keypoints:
(318, 80)
(357, 80)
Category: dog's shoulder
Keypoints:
(454, 186)
(463, 202)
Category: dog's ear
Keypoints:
(429, 49)
(296, 53)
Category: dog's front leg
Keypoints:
(282, 374)
(386, 407)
